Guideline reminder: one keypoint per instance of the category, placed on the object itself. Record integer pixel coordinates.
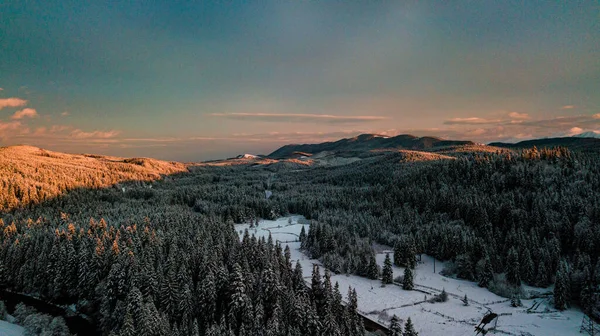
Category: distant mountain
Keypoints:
(583, 144)
(364, 143)
(591, 134)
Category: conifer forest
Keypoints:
(161, 256)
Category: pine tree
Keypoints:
(409, 329)
(395, 327)
(485, 272)
(515, 301)
(465, 300)
(387, 275)
(373, 272)
(297, 277)
(316, 285)
(128, 327)
(513, 275)
(561, 286)
(407, 282)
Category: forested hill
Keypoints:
(367, 142)
(590, 145)
(31, 175)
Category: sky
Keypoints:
(199, 80)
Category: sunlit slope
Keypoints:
(31, 175)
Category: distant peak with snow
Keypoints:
(247, 156)
(590, 134)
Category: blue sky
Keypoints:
(190, 81)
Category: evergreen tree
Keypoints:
(561, 286)
(395, 327)
(407, 282)
(302, 238)
(409, 329)
(373, 272)
(387, 275)
(513, 275)
(485, 272)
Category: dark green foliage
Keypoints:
(409, 329)
(387, 274)
(513, 275)
(156, 267)
(373, 269)
(561, 287)
(518, 213)
(484, 271)
(395, 327)
(408, 282)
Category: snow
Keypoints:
(8, 329)
(247, 156)
(450, 318)
(590, 134)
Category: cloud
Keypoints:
(568, 107)
(1, 89)
(517, 115)
(12, 102)
(564, 122)
(299, 117)
(10, 126)
(575, 131)
(64, 114)
(79, 134)
(471, 121)
(596, 116)
(25, 113)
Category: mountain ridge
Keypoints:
(367, 142)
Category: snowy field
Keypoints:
(8, 329)
(450, 318)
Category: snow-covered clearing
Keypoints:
(9, 329)
(450, 318)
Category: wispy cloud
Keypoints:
(64, 114)
(568, 107)
(9, 126)
(299, 117)
(12, 102)
(79, 134)
(517, 115)
(471, 121)
(25, 113)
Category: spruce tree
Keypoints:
(409, 329)
(395, 327)
(387, 275)
(561, 287)
(373, 272)
(513, 275)
(408, 282)
(302, 238)
(485, 272)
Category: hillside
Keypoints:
(31, 175)
(590, 145)
(367, 142)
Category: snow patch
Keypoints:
(450, 318)
(8, 329)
